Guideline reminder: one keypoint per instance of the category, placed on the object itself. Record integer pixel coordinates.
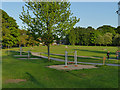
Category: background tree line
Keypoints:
(104, 35)
(14, 37)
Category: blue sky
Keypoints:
(93, 14)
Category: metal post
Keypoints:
(66, 58)
(104, 60)
(75, 58)
(8, 50)
(28, 54)
(20, 50)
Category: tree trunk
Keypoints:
(19, 45)
(24, 45)
(118, 48)
(48, 52)
(33, 44)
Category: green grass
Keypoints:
(91, 51)
(39, 76)
(97, 51)
(85, 59)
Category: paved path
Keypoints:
(82, 56)
(37, 54)
(73, 55)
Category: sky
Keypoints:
(64, 0)
(93, 14)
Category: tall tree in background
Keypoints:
(117, 29)
(22, 38)
(106, 29)
(99, 40)
(116, 40)
(72, 37)
(92, 34)
(10, 30)
(108, 38)
(48, 19)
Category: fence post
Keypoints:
(75, 58)
(20, 50)
(66, 58)
(104, 60)
(28, 54)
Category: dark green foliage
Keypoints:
(12, 35)
(107, 38)
(106, 28)
(72, 37)
(118, 30)
(10, 30)
(99, 40)
(104, 35)
(116, 40)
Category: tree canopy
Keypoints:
(47, 19)
(89, 36)
(10, 31)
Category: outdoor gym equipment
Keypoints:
(28, 54)
(21, 50)
(66, 59)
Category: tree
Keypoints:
(10, 30)
(106, 29)
(116, 40)
(107, 38)
(99, 40)
(82, 36)
(72, 37)
(22, 39)
(86, 38)
(117, 29)
(77, 35)
(48, 19)
(92, 35)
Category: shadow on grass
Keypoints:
(104, 52)
(37, 61)
(18, 53)
(72, 57)
(11, 52)
(76, 75)
(111, 57)
(33, 79)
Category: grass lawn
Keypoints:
(91, 51)
(39, 76)
(90, 60)
(94, 51)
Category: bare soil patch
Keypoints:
(15, 80)
(71, 67)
